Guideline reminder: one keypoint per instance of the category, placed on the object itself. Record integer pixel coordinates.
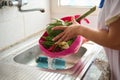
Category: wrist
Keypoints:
(79, 30)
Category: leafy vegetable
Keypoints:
(48, 43)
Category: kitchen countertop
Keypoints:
(93, 72)
(15, 72)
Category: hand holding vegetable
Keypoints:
(68, 33)
(49, 43)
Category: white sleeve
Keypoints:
(114, 13)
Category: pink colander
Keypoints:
(74, 47)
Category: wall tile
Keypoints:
(11, 31)
(8, 14)
(35, 21)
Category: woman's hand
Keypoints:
(68, 31)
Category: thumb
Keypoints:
(73, 20)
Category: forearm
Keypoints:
(107, 38)
(101, 37)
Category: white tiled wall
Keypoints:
(15, 25)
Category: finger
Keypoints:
(63, 38)
(59, 28)
(58, 36)
(66, 39)
(60, 40)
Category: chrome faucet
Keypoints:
(20, 3)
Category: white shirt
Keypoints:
(108, 14)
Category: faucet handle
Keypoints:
(20, 3)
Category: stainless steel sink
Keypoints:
(29, 57)
(19, 63)
(76, 64)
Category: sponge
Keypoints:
(42, 62)
(58, 63)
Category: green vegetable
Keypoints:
(70, 41)
(47, 44)
(51, 25)
(85, 14)
(49, 38)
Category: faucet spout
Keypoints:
(29, 10)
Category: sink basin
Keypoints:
(29, 56)
(75, 64)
